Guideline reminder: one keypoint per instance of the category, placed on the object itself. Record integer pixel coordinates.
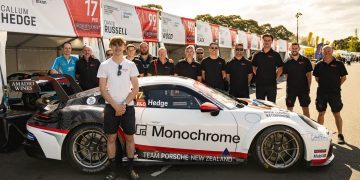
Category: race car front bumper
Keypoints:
(323, 162)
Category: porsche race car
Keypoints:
(179, 120)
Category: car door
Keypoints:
(173, 127)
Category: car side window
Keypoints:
(170, 97)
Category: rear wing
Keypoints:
(31, 85)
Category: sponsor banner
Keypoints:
(177, 30)
(166, 156)
(227, 37)
(85, 17)
(131, 22)
(255, 41)
(282, 45)
(243, 38)
(215, 32)
(203, 33)
(37, 17)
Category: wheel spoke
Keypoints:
(277, 158)
(282, 159)
(292, 158)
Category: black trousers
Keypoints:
(268, 92)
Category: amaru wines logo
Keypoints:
(198, 135)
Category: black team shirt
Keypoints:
(329, 76)
(296, 71)
(87, 71)
(239, 71)
(266, 64)
(183, 68)
(213, 74)
(157, 68)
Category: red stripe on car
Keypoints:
(62, 131)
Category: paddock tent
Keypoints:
(35, 33)
(176, 33)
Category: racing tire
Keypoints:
(279, 148)
(86, 149)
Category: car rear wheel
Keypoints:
(86, 149)
(279, 148)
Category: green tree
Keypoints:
(153, 6)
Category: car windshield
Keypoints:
(221, 97)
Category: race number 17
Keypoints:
(89, 8)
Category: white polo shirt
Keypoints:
(118, 87)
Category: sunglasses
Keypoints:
(199, 53)
(214, 48)
(239, 49)
(119, 70)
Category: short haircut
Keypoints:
(69, 43)
(295, 44)
(239, 44)
(190, 47)
(200, 48)
(130, 45)
(144, 43)
(213, 43)
(117, 40)
(87, 46)
(268, 35)
(162, 48)
(327, 46)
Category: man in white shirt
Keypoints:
(116, 75)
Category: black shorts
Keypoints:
(304, 99)
(334, 101)
(268, 92)
(126, 121)
(240, 93)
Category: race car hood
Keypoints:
(259, 104)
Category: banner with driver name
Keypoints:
(132, 22)
(50, 17)
(177, 30)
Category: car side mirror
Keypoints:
(210, 107)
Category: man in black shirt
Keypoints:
(298, 79)
(188, 67)
(161, 66)
(330, 75)
(86, 69)
(267, 66)
(145, 57)
(131, 51)
(239, 73)
(213, 68)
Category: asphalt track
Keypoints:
(17, 165)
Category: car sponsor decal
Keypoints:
(184, 157)
(320, 153)
(157, 103)
(277, 114)
(91, 100)
(254, 104)
(319, 137)
(199, 135)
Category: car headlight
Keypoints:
(309, 121)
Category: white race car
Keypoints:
(179, 120)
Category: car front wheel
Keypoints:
(86, 149)
(279, 148)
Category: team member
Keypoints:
(267, 66)
(145, 57)
(199, 54)
(108, 53)
(65, 64)
(213, 68)
(161, 65)
(330, 75)
(131, 51)
(188, 67)
(239, 73)
(86, 69)
(298, 79)
(116, 75)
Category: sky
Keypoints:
(329, 19)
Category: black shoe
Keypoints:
(133, 175)
(111, 176)
(341, 139)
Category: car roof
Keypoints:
(158, 80)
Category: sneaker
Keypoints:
(341, 139)
(133, 175)
(111, 176)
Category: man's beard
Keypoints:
(294, 53)
(144, 53)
